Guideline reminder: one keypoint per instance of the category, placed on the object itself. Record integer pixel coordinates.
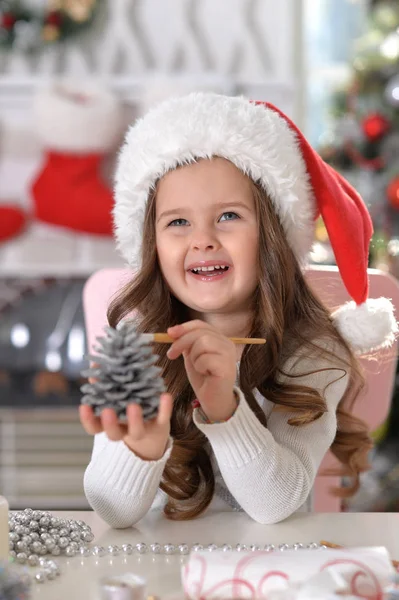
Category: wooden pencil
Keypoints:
(164, 338)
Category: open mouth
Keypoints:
(209, 271)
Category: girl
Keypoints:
(216, 199)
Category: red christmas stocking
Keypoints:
(12, 222)
(70, 193)
(78, 126)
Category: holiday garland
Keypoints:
(27, 29)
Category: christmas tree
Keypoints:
(363, 139)
(363, 144)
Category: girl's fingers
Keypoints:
(165, 409)
(90, 423)
(203, 340)
(136, 428)
(209, 364)
(111, 425)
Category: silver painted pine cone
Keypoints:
(124, 373)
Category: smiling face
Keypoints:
(207, 237)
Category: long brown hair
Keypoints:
(290, 316)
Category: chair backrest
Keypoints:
(372, 406)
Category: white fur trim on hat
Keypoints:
(202, 125)
(77, 117)
(368, 326)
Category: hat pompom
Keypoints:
(367, 326)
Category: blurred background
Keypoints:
(73, 75)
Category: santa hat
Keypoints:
(263, 143)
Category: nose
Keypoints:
(204, 239)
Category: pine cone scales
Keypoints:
(124, 373)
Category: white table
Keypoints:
(80, 576)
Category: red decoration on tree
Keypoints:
(375, 126)
(7, 21)
(54, 18)
(393, 193)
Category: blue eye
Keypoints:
(177, 223)
(231, 216)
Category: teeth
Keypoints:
(211, 268)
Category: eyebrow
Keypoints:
(174, 211)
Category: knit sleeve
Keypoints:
(270, 471)
(120, 486)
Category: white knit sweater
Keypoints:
(267, 472)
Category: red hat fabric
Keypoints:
(345, 216)
(266, 145)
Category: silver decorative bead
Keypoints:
(43, 562)
(55, 522)
(254, 548)
(43, 551)
(20, 529)
(84, 551)
(49, 543)
(70, 551)
(74, 545)
(227, 548)
(29, 512)
(141, 548)
(34, 536)
(211, 547)
(33, 526)
(27, 539)
(98, 551)
(44, 521)
(63, 532)
(13, 537)
(33, 560)
(313, 546)
(298, 546)
(56, 551)
(40, 577)
(269, 548)
(37, 515)
(21, 546)
(283, 547)
(87, 536)
(22, 557)
(75, 536)
(12, 554)
(127, 548)
(183, 549)
(169, 548)
(56, 570)
(156, 548)
(50, 574)
(197, 547)
(113, 550)
(36, 547)
(63, 542)
(241, 548)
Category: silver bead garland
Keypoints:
(34, 534)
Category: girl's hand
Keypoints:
(147, 439)
(210, 361)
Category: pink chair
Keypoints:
(373, 405)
